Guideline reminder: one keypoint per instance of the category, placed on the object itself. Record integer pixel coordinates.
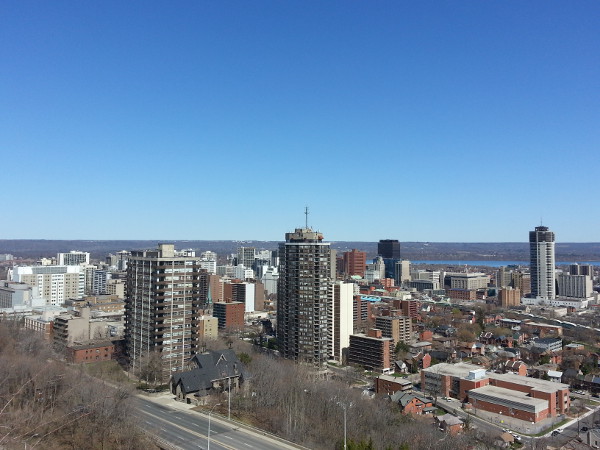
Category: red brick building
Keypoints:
(372, 351)
(462, 294)
(100, 351)
(388, 384)
(410, 308)
(230, 315)
(355, 262)
(412, 404)
(524, 398)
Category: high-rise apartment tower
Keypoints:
(166, 295)
(541, 254)
(304, 300)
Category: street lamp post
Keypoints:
(345, 407)
(208, 436)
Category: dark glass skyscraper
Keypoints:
(389, 249)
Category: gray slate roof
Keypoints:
(212, 366)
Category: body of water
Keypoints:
(497, 263)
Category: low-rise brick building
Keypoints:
(95, 352)
(387, 384)
(523, 398)
(230, 315)
(372, 351)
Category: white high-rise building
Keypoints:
(209, 255)
(73, 258)
(210, 265)
(541, 254)
(342, 318)
(270, 278)
(99, 281)
(402, 272)
(242, 272)
(579, 286)
(55, 284)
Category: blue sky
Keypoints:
(419, 121)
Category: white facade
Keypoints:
(14, 294)
(226, 271)
(541, 255)
(209, 255)
(210, 265)
(402, 272)
(99, 282)
(421, 274)
(243, 273)
(342, 318)
(73, 258)
(269, 279)
(468, 280)
(577, 303)
(250, 297)
(55, 284)
(579, 286)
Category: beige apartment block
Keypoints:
(208, 328)
(55, 284)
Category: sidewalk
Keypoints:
(571, 422)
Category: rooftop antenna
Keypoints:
(306, 214)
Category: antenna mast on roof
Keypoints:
(306, 214)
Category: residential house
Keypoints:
(516, 367)
(412, 403)
(449, 423)
(208, 372)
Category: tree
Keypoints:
(244, 358)
(402, 347)
(149, 368)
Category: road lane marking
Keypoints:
(189, 430)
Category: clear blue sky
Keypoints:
(418, 121)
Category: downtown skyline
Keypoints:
(451, 123)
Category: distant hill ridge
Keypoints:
(453, 251)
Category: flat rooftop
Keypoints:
(538, 324)
(508, 398)
(459, 370)
(534, 383)
(420, 344)
(400, 380)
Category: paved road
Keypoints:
(188, 430)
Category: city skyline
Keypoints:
(458, 123)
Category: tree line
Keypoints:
(46, 404)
